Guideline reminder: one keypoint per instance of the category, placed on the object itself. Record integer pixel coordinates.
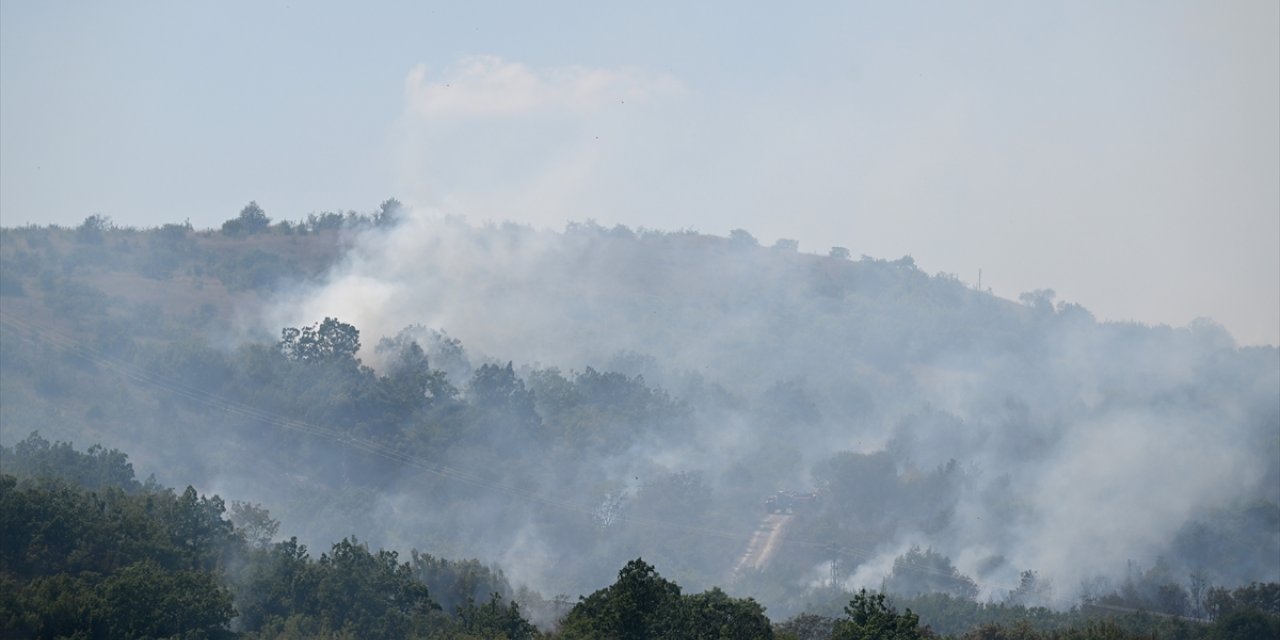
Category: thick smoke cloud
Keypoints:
(1080, 446)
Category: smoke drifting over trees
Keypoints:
(1079, 445)
(558, 403)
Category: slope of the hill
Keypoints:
(662, 384)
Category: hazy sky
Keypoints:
(1125, 154)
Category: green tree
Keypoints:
(643, 605)
(96, 468)
(806, 626)
(640, 605)
(277, 582)
(501, 402)
(410, 378)
(252, 220)
(713, 615)
(453, 583)
(144, 601)
(1031, 590)
(389, 213)
(330, 340)
(742, 238)
(1245, 624)
(495, 620)
(371, 593)
(254, 523)
(867, 617)
(93, 229)
(1262, 596)
(918, 572)
(198, 530)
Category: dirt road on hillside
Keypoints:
(764, 542)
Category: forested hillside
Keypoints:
(558, 404)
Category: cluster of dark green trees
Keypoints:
(86, 551)
(643, 604)
(1253, 612)
(253, 220)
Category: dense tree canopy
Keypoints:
(869, 618)
(80, 556)
(327, 341)
(642, 605)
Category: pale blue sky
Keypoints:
(1125, 154)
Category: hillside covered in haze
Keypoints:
(559, 403)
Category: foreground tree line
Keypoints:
(88, 551)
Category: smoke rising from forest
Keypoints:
(785, 425)
(1078, 446)
(500, 387)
